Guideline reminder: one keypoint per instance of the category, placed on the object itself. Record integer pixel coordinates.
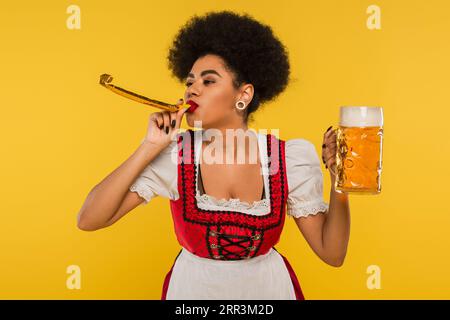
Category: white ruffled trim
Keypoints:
(304, 209)
(207, 202)
(142, 191)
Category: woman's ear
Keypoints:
(246, 93)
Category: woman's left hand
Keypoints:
(329, 148)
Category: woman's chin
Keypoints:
(191, 118)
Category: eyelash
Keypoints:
(188, 83)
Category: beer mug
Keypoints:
(359, 140)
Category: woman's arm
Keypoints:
(111, 198)
(328, 234)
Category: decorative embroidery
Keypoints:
(230, 235)
(196, 215)
(313, 207)
(219, 244)
(141, 191)
(207, 202)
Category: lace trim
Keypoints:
(143, 192)
(212, 203)
(310, 208)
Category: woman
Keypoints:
(228, 217)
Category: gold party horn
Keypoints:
(105, 80)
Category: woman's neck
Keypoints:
(234, 139)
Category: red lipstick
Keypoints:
(193, 106)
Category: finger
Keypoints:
(179, 117)
(329, 135)
(174, 115)
(156, 119)
(331, 149)
(325, 156)
(172, 119)
(329, 140)
(332, 158)
(330, 146)
(331, 163)
(161, 120)
(166, 117)
(332, 168)
(328, 153)
(324, 151)
(328, 130)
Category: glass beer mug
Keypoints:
(359, 139)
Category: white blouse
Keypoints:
(304, 174)
(263, 277)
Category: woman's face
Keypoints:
(210, 85)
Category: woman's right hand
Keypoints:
(163, 125)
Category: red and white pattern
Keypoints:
(227, 242)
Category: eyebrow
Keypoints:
(191, 75)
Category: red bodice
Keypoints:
(228, 235)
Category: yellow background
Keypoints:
(62, 133)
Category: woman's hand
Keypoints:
(329, 148)
(163, 125)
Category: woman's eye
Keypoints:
(205, 82)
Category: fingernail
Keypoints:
(323, 146)
(173, 123)
(329, 128)
(161, 126)
(326, 166)
(167, 130)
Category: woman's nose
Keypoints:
(193, 89)
(189, 94)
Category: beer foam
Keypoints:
(361, 116)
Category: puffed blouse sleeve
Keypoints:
(159, 177)
(305, 179)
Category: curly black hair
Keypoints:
(249, 48)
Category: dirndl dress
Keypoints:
(228, 247)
